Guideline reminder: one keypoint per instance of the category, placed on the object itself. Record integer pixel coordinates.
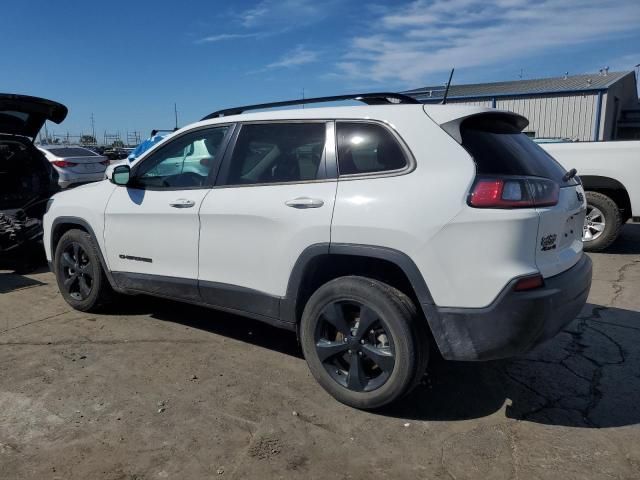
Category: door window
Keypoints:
(185, 162)
(278, 153)
(367, 148)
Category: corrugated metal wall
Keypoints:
(554, 116)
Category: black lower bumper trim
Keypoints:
(515, 322)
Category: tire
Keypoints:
(600, 207)
(342, 358)
(81, 279)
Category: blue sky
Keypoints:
(128, 62)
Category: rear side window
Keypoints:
(367, 148)
(500, 148)
(278, 153)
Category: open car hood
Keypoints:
(25, 115)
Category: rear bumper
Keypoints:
(515, 322)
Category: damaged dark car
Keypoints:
(27, 179)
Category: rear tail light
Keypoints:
(63, 163)
(106, 162)
(529, 283)
(513, 192)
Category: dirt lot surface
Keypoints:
(154, 389)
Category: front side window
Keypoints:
(184, 162)
(278, 153)
(367, 148)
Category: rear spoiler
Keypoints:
(451, 120)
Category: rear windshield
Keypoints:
(66, 152)
(500, 148)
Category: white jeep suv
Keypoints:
(373, 231)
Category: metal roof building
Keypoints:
(591, 107)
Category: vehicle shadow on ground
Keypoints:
(10, 281)
(588, 376)
(225, 324)
(628, 243)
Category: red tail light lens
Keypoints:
(513, 192)
(529, 283)
(106, 162)
(63, 164)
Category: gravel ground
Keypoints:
(154, 389)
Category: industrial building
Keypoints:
(591, 107)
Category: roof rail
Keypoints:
(379, 98)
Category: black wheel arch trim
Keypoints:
(80, 222)
(289, 305)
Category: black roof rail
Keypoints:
(378, 98)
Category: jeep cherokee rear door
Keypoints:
(273, 199)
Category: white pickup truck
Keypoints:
(610, 174)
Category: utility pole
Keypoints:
(303, 98)
(93, 128)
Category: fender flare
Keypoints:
(398, 258)
(85, 225)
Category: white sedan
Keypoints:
(75, 165)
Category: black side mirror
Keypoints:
(121, 174)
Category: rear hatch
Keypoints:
(77, 159)
(25, 115)
(529, 178)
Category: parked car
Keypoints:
(610, 175)
(27, 179)
(366, 229)
(75, 165)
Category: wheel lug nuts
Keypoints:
(362, 342)
(350, 352)
(360, 353)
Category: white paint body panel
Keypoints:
(250, 238)
(142, 223)
(86, 202)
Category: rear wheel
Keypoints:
(361, 341)
(602, 222)
(79, 273)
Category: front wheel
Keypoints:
(79, 273)
(362, 342)
(602, 222)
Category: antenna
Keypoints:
(446, 90)
(175, 113)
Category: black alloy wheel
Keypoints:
(77, 271)
(354, 345)
(363, 341)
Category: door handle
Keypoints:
(304, 202)
(182, 203)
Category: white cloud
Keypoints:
(289, 13)
(227, 36)
(425, 37)
(294, 58)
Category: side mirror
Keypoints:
(120, 174)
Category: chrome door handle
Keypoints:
(304, 202)
(182, 203)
